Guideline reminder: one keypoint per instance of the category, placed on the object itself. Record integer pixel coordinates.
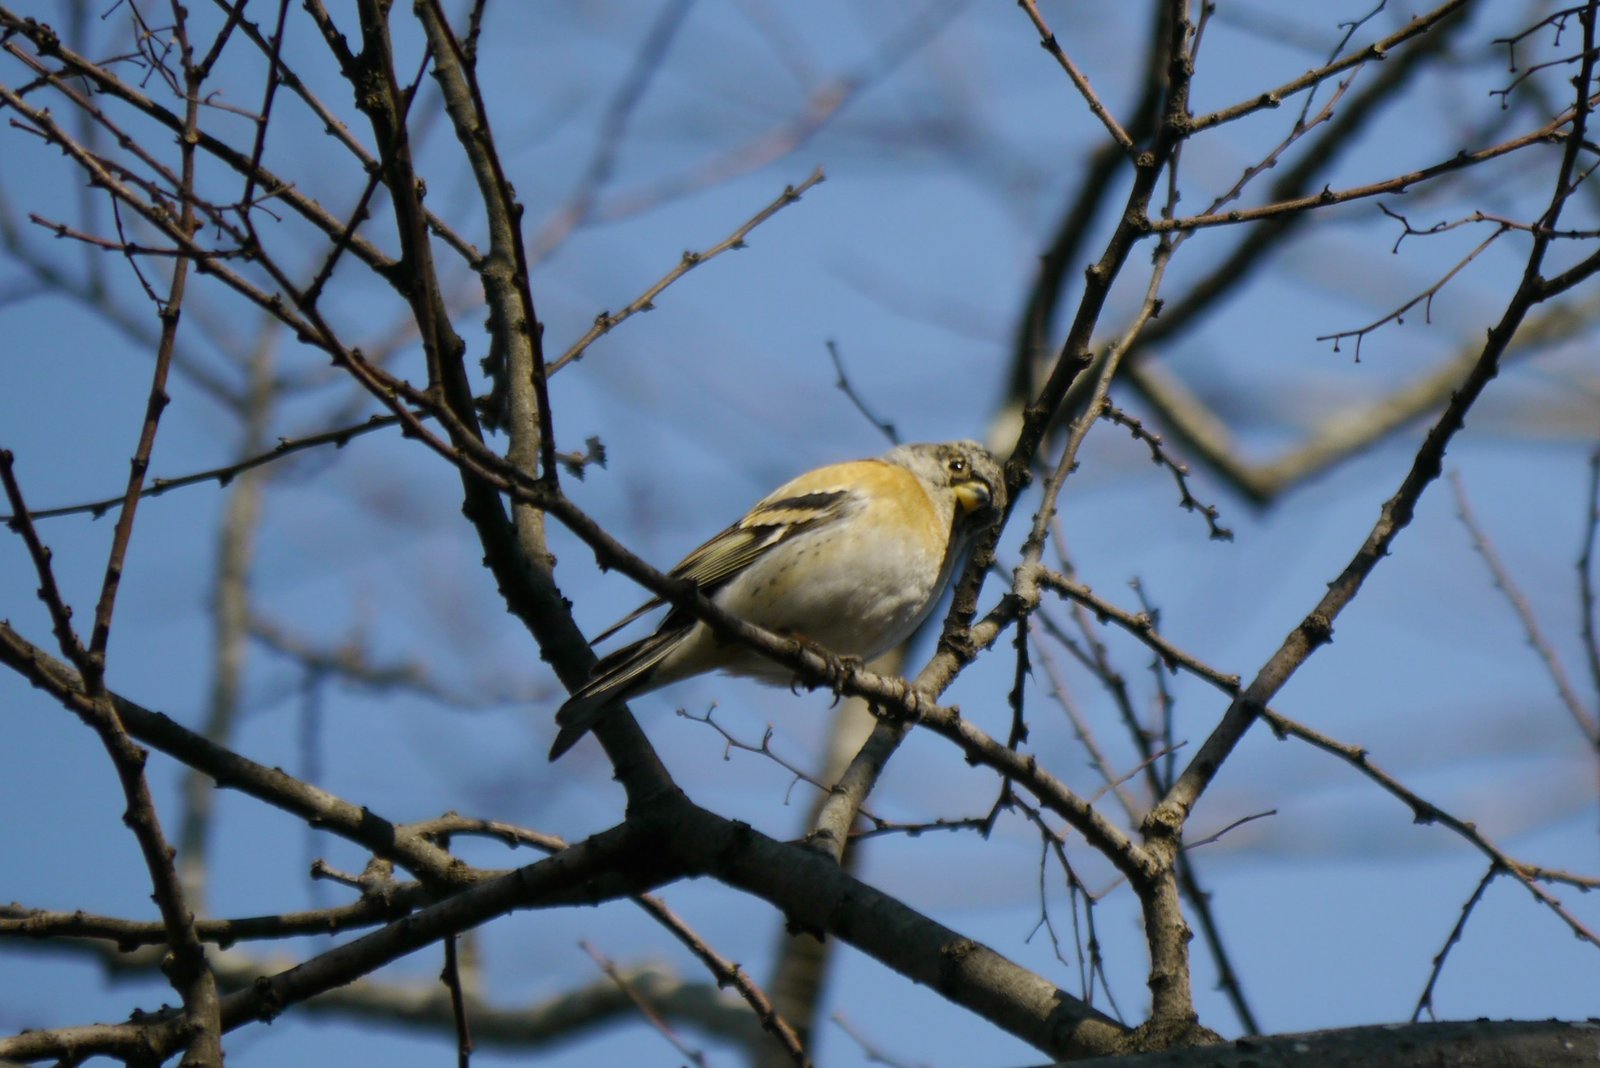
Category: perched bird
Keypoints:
(851, 557)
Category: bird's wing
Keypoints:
(777, 518)
(813, 500)
(609, 682)
(769, 524)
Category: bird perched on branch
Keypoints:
(851, 557)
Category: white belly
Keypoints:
(862, 603)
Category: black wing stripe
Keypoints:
(817, 504)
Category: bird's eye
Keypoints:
(958, 466)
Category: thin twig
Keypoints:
(605, 322)
(340, 436)
(1425, 999)
(226, 473)
(1081, 731)
(764, 749)
(1424, 812)
(849, 390)
(1303, 125)
(371, 910)
(450, 975)
(39, 554)
(823, 104)
(647, 62)
(1325, 198)
(1588, 604)
(1091, 965)
(728, 973)
(1047, 39)
(872, 1053)
(1425, 298)
(1376, 51)
(1179, 471)
(1588, 722)
(645, 1008)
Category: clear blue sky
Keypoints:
(945, 174)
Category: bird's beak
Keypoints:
(974, 496)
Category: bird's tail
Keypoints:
(617, 676)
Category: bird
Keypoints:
(851, 557)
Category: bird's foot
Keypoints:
(840, 669)
(837, 669)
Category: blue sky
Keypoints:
(945, 173)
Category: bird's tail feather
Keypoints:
(615, 677)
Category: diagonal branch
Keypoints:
(1317, 627)
(1047, 39)
(1584, 719)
